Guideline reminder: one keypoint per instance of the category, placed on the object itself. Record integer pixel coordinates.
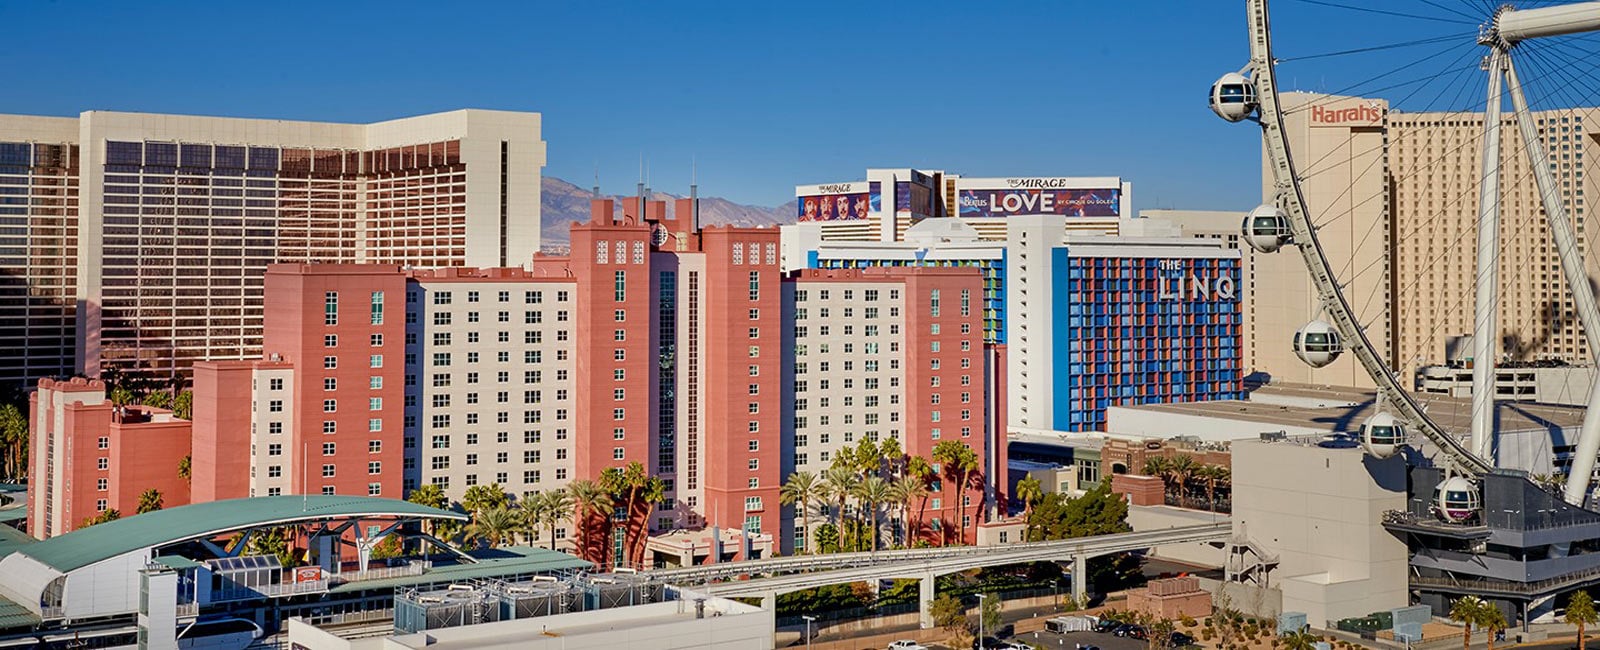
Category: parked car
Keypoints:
(1017, 645)
(1180, 640)
(906, 644)
(1106, 625)
(990, 643)
(1122, 629)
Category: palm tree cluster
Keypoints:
(1472, 611)
(627, 494)
(1186, 479)
(866, 482)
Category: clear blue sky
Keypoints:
(765, 95)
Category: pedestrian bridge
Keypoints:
(925, 564)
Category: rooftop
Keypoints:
(491, 563)
(86, 546)
(1343, 409)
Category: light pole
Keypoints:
(981, 597)
(809, 620)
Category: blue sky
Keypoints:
(764, 95)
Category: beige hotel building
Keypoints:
(139, 241)
(1396, 198)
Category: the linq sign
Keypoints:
(1175, 283)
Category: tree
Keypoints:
(183, 405)
(1580, 612)
(158, 399)
(431, 496)
(1097, 512)
(1468, 611)
(122, 396)
(149, 501)
(1492, 620)
(1213, 475)
(1160, 467)
(827, 538)
(949, 613)
(919, 472)
(636, 491)
(111, 514)
(959, 463)
(902, 491)
(1029, 491)
(272, 541)
(493, 525)
(1299, 641)
(546, 509)
(479, 498)
(870, 493)
(989, 614)
(591, 507)
(1182, 468)
(186, 467)
(799, 490)
(839, 483)
(894, 457)
(14, 435)
(868, 459)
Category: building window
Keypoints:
(752, 504)
(104, 442)
(755, 285)
(933, 303)
(617, 453)
(330, 308)
(330, 340)
(375, 361)
(330, 406)
(330, 363)
(328, 448)
(103, 463)
(377, 308)
(330, 383)
(330, 427)
(755, 464)
(275, 384)
(102, 484)
(327, 471)
(375, 382)
(619, 285)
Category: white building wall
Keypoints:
(271, 452)
(1030, 321)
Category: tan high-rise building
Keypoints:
(151, 232)
(1338, 146)
(1434, 161)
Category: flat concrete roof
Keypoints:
(1343, 409)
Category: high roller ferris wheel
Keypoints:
(1503, 33)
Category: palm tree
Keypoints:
(1299, 641)
(799, 490)
(894, 456)
(1580, 612)
(1182, 468)
(589, 502)
(1159, 467)
(839, 483)
(1468, 611)
(1213, 475)
(906, 489)
(186, 467)
(149, 501)
(548, 509)
(479, 498)
(868, 459)
(492, 525)
(1492, 620)
(1029, 490)
(960, 463)
(14, 434)
(636, 490)
(431, 496)
(871, 492)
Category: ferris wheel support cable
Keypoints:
(1292, 199)
(1572, 266)
(1485, 330)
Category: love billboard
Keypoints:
(1105, 202)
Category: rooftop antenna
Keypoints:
(595, 193)
(640, 191)
(694, 194)
(647, 178)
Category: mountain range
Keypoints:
(565, 203)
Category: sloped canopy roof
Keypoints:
(86, 546)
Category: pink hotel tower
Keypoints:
(686, 349)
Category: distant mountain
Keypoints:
(565, 203)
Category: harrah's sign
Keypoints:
(1366, 115)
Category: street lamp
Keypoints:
(809, 620)
(980, 618)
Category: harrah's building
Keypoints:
(654, 341)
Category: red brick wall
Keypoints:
(594, 329)
(1141, 490)
(146, 456)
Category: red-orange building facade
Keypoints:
(655, 341)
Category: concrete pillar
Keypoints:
(769, 602)
(1080, 578)
(926, 585)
